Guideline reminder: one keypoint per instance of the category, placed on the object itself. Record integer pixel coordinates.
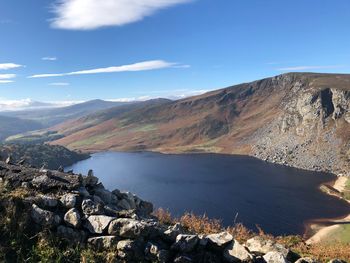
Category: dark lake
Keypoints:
(279, 199)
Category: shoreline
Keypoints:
(323, 227)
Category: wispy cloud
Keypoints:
(6, 66)
(6, 81)
(29, 104)
(7, 76)
(301, 68)
(92, 14)
(59, 84)
(49, 58)
(140, 66)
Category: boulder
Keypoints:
(47, 201)
(155, 253)
(262, 246)
(219, 240)
(72, 218)
(83, 192)
(89, 207)
(90, 180)
(71, 234)
(130, 251)
(235, 252)
(128, 228)
(102, 242)
(185, 243)
(69, 200)
(172, 232)
(96, 224)
(106, 196)
(275, 257)
(43, 217)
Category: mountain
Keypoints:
(297, 119)
(10, 126)
(53, 116)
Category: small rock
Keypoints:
(72, 218)
(337, 261)
(260, 245)
(128, 228)
(69, 200)
(183, 259)
(83, 192)
(308, 260)
(96, 224)
(154, 253)
(275, 257)
(71, 234)
(89, 207)
(219, 240)
(185, 243)
(44, 217)
(235, 252)
(106, 196)
(47, 201)
(103, 242)
(172, 232)
(130, 251)
(90, 180)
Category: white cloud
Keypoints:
(141, 66)
(5, 66)
(300, 68)
(49, 58)
(29, 104)
(59, 84)
(7, 76)
(5, 81)
(92, 14)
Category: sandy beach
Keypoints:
(323, 232)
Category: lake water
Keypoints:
(279, 199)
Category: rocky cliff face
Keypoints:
(312, 129)
(79, 211)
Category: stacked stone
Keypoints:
(81, 210)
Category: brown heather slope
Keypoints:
(298, 119)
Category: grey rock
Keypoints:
(89, 207)
(72, 218)
(235, 252)
(275, 257)
(71, 234)
(69, 200)
(260, 245)
(219, 240)
(130, 251)
(155, 253)
(183, 259)
(47, 201)
(185, 243)
(172, 232)
(308, 260)
(128, 228)
(102, 242)
(96, 224)
(337, 261)
(106, 196)
(90, 180)
(83, 192)
(44, 217)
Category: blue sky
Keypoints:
(184, 47)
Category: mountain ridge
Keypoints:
(297, 119)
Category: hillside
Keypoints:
(11, 125)
(53, 116)
(37, 155)
(298, 119)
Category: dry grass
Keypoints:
(204, 225)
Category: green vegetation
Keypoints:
(34, 137)
(346, 192)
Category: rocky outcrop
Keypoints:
(79, 209)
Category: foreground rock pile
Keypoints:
(79, 209)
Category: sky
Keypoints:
(63, 51)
